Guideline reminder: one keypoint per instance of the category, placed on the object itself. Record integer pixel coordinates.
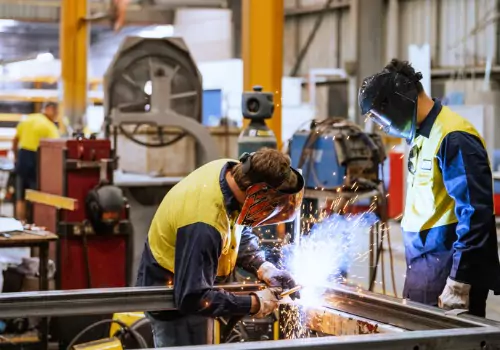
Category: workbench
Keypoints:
(29, 240)
(41, 241)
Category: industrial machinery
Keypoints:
(256, 106)
(343, 318)
(150, 86)
(336, 153)
(342, 167)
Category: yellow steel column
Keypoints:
(73, 51)
(262, 49)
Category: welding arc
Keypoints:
(290, 291)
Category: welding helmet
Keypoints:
(390, 99)
(266, 204)
(104, 206)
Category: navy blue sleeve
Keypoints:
(197, 252)
(468, 180)
(250, 257)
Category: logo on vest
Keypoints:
(426, 164)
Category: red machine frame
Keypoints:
(72, 168)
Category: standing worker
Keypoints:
(202, 229)
(449, 221)
(29, 132)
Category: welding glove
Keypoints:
(455, 296)
(275, 277)
(268, 301)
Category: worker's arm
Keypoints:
(250, 256)
(468, 180)
(197, 252)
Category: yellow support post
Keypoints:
(262, 49)
(74, 44)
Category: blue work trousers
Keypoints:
(182, 331)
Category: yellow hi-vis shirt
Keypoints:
(34, 128)
(197, 198)
(428, 204)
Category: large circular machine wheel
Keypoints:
(129, 85)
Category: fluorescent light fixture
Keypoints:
(45, 56)
(157, 31)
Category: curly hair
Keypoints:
(405, 68)
(269, 166)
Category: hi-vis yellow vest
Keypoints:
(428, 204)
(197, 198)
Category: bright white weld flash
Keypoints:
(327, 252)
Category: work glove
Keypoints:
(268, 301)
(455, 296)
(275, 277)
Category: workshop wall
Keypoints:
(461, 32)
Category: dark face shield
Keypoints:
(390, 100)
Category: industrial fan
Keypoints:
(152, 77)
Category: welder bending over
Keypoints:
(203, 228)
(449, 221)
(29, 132)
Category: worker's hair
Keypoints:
(49, 105)
(405, 68)
(269, 166)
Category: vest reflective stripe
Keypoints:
(428, 204)
(197, 198)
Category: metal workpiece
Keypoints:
(450, 339)
(96, 301)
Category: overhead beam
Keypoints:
(315, 9)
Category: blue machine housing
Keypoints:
(325, 172)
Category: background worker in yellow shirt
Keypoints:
(29, 132)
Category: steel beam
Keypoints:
(450, 339)
(94, 301)
(262, 51)
(74, 42)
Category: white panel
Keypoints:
(290, 39)
(463, 35)
(207, 33)
(417, 25)
(324, 48)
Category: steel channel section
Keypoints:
(450, 339)
(383, 309)
(94, 301)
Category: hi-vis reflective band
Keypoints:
(426, 164)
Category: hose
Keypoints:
(140, 340)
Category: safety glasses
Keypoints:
(412, 159)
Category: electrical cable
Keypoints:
(140, 340)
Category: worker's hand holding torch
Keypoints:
(276, 278)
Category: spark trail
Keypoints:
(324, 256)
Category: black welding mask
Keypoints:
(104, 206)
(390, 100)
